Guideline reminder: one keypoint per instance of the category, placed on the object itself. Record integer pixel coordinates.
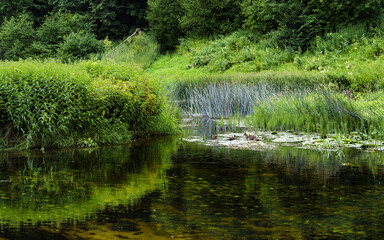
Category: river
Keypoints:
(167, 188)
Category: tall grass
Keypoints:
(322, 111)
(140, 51)
(50, 104)
(224, 99)
(218, 96)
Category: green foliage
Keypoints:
(16, 37)
(59, 25)
(321, 111)
(333, 14)
(298, 22)
(118, 18)
(114, 18)
(79, 45)
(47, 104)
(298, 28)
(163, 17)
(263, 15)
(141, 51)
(239, 51)
(10, 9)
(210, 17)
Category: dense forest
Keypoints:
(74, 29)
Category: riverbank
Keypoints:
(48, 104)
(269, 140)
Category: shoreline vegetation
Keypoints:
(280, 66)
(48, 104)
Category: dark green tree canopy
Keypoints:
(295, 22)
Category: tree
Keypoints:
(16, 37)
(334, 14)
(163, 17)
(298, 27)
(210, 17)
(118, 18)
(13, 8)
(263, 15)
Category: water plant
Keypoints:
(218, 96)
(324, 111)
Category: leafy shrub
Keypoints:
(238, 48)
(79, 45)
(45, 104)
(298, 28)
(263, 15)
(340, 40)
(16, 37)
(58, 26)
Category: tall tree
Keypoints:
(118, 18)
(13, 8)
(163, 17)
(334, 14)
(209, 17)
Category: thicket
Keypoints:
(50, 104)
(293, 24)
(62, 35)
(116, 18)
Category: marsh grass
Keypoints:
(282, 104)
(140, 51)
(322, 111)
(231, 95)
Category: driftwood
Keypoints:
(132, 35)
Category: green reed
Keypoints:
(322, 111)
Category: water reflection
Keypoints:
(55, 188)
(289, 194)
(172, 189)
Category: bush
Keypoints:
(16, 37)
(240, 49)
(58, 26)
(48, 104)
(79, 45)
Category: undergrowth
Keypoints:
(50, 104)
(351, 58)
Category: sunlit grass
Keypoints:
(321, 111)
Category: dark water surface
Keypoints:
(169, 189)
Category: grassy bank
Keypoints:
(350, 58)
(50, 104)
(334, 86)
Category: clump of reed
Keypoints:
(219, 96)
(216, 100)
(277, 79)
(319, 110)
